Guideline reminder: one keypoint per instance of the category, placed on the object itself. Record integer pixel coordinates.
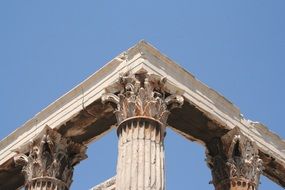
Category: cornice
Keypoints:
(144, 56)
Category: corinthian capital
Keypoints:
(50, 159)
(243, 159)
(143, 95)
(234, 161)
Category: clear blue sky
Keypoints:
(235, 47)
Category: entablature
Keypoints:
(80, 114)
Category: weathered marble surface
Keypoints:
(80, 115)
(142, 108)
(109, 184)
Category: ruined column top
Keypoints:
(74, 113)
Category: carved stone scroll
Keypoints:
(50, 161)
(234, 162)
(142, 108)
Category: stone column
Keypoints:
(234, 162)
(50, 161)
(142, 109)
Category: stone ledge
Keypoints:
(109, 184)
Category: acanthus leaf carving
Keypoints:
(50, 157)
(234, 158)
(142, 95)
(243, 159)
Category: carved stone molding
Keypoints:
(50, 161)
(142, 108)
(234, 162)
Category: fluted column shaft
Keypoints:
(141, 155)
(142, 107)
